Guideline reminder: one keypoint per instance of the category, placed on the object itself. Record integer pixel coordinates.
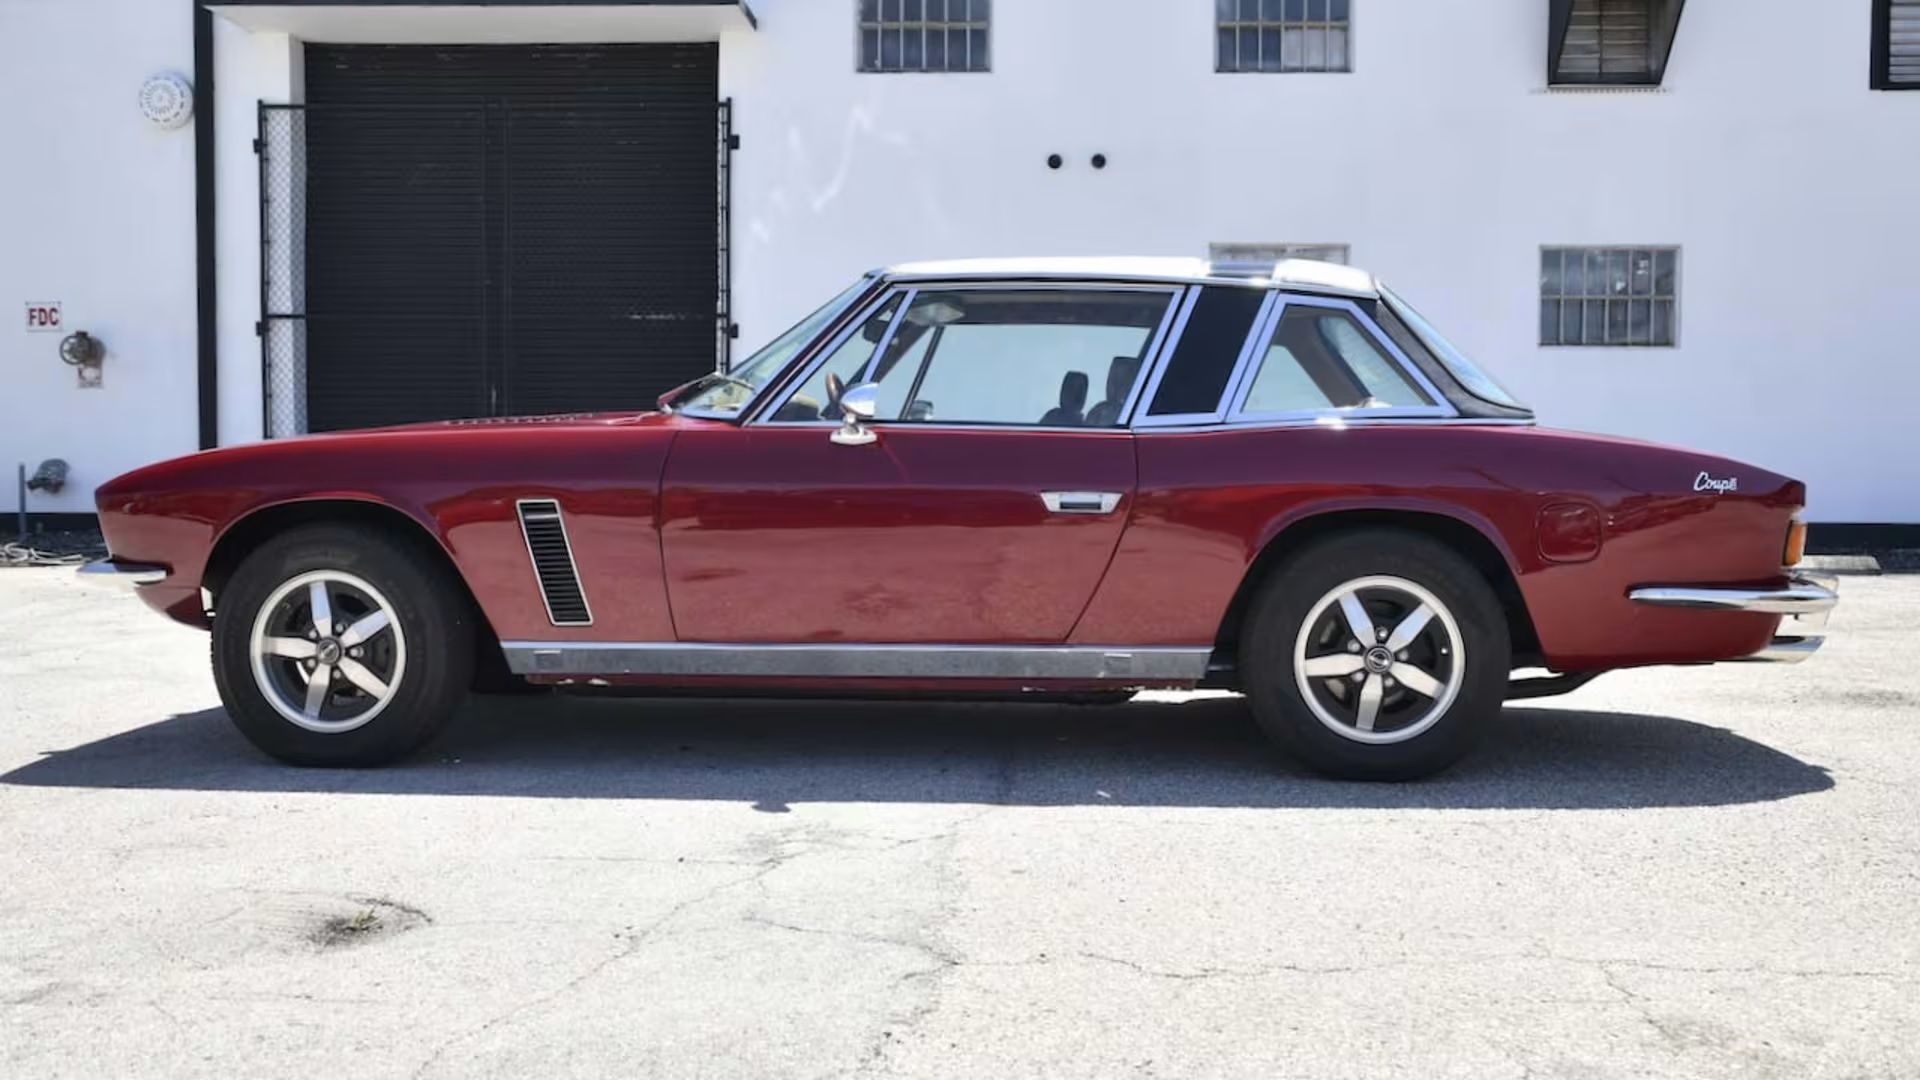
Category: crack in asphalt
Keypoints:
(762, 868)
(948, 883)
(634, 943)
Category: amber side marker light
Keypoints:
(1796, 543)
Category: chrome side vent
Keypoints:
(552, 556)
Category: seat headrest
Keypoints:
(1073, 390)
(1120, 375)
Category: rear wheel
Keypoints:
(336, 646)
(1376, 655)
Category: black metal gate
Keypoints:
(490, 231)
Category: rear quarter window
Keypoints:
(1196, 377)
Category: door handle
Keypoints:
(1080, 502)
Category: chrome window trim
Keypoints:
(1151, 358)
(1117, 663)
(1337, 423)
(1244, 376)
(879, 347)
(748, 407)
(1179, 305)
(1219, 413)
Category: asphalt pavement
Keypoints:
(1705, 872)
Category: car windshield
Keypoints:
(726, 393)
(1478, 382)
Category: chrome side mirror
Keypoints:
(857, 405)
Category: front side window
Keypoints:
(847, 360)
(1320, 359)
(1283, 35)
(725, 393)
(1030, 357)
(924, 35)
(1609, 296)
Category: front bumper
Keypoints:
(1803, 604)
(120, 574)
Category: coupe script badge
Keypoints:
(1717, 485)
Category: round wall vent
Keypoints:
(167, 99)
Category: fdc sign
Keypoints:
(43, 316)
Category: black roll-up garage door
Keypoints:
(496, 230)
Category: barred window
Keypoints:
(1896, 45)
(1609, 296)
(924, 35)
(1608, 41)
(1283, 35)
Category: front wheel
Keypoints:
(1376, 655)
(340, 647)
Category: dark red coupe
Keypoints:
(1070, 477)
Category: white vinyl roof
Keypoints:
(1303, 274)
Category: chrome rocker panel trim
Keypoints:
(1803, 604)
(120, 574)
(857, 661)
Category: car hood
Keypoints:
(565, 420)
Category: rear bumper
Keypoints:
(120, 574)
(1803, 604)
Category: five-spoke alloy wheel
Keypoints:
(1375, 654)
(327, 651)
(1376, 658)
(335, 645)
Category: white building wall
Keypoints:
(1788, 184)
(99, 216)
(249, 67)
(1440, 160)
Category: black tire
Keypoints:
(1097, 698)
(1435, 732)
(492, 677)
(436, 637)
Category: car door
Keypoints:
(984, 511)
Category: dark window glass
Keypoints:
(1197, 375)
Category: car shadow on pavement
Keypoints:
(774, 754)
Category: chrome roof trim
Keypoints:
(1303, 275)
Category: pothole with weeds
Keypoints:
(364, 919)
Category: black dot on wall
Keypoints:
(1099, 161)
(1054, 161)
